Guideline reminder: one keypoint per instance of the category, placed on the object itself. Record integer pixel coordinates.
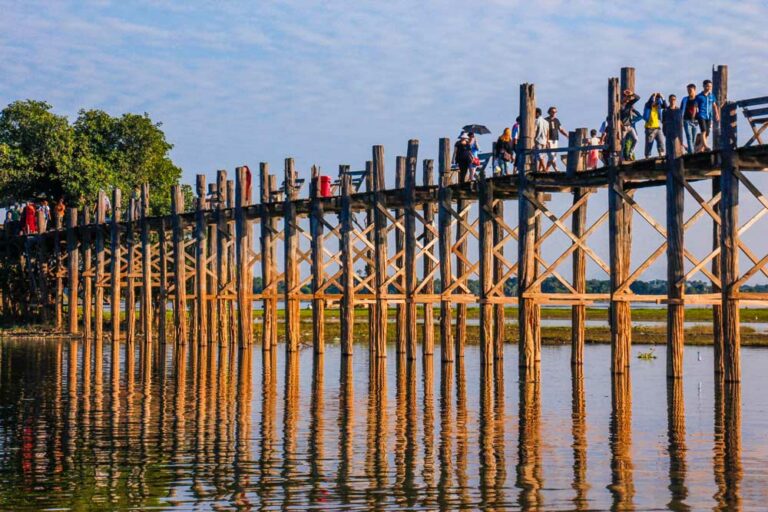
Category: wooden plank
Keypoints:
(179, 267)
(428, 333)
(146, 266)
(675, 245)
(73, 269)
(201, 261)
(526, 269)
(730, 352)
(290, 259)
(410, 248)
(317, 231)
(347, 264)
(579, 259)
(445, 197)
(619, 241)
(115, 262)
(380, 254)
(244, 282)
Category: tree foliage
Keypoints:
(42, 155)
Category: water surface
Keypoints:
(220, 428)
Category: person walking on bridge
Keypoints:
(706, 103)
(503, 151)
(652, 113)
(29, 219)
(462, 156)
(555, 128)
(690, 113)
(540, 140)
(628, 117)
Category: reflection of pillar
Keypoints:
(267, 429)
(376, 442)
(445, 456)
(316, 426)
(677, 448)
(428, 471)
(346, 429)
(411, 415)
(487, 457)
(727, 448)
(499, 444)
(461, 433)
(579, 430)
(622, 486)
(243, 421)
(400, 414)
(290, 420)
(529, 478)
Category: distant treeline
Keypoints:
(552, 285)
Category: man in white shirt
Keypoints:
(540, 139)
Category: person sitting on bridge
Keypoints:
(706, 103)
(555, 128)
(652, 113)
(503, 152)
(628, 116)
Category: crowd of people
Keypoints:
(699, 111)
(31, 218)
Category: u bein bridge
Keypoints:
(406, 246)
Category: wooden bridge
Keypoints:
(407, 247)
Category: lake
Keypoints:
(219, 428)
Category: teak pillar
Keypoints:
(410, 248)
(73, 269)
(575, 164)
(291, 259)
(428, 237)
(526, 269)
(87, 281)
(162, 292)
(675, 245)
(729, 248)
(223, 240)
(445, 197)
(268, 263)
(399, 259)
(486, 269)
(146, 266)
(380, 255)
(619, 240)
(720, 90)
(116, 263)
(347, 264)
(244, 282)
(499, 331)
(179, 267)
(201, 261)
(213, 266)
(130, 280)
(317, 231)
(370, 252)
(99, 271)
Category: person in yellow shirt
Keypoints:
(652, 113)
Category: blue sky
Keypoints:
(237, 82)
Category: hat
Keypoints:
(464, 136)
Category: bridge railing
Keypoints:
(755, 110)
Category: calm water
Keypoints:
(224, 429)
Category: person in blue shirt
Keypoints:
(708, 110)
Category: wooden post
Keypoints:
(410, 248)
(146, 265)
(526, 269)
(347, 264)
(399, 258)
(162, 292)
(59, 272)
(290, 255)
(130, 289)
(116, 264)
(428, 333)
(201, 260)
(499, 331)
(445, 197)
(675, 246)
(370, 253)
(461, 307)
(99, 272)
(244, 281)
(268, 264)
(619, 240)
(578, 221)
(213, 266)
(231, 265)
(179, 267)
(86, 277)
(73, 264)
(729, 246)
(380, 256)
(222, 264)
(317, 230)
(486, 269)
(720, 90)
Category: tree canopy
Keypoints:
(43, 155)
